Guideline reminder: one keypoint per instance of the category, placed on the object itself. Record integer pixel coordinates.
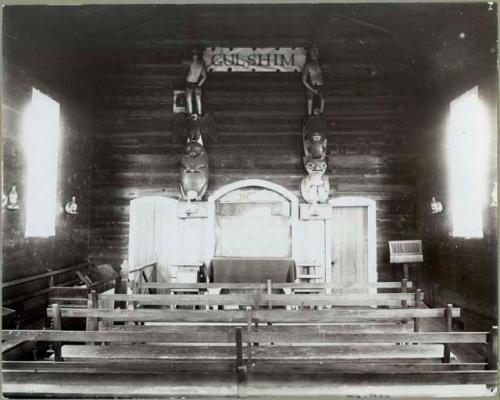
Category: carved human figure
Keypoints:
(315, 187)
(312, 78)
(315, 136)
(195, 78)
(194, 171)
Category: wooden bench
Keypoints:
(236, 352)
(158, 364)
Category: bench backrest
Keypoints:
(334, 315)
(315, 287)
(270, 300)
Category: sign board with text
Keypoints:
(254, 59)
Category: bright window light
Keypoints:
(41, 134)
(467, 152)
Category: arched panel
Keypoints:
(252, 218)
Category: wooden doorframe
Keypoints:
(355, 201)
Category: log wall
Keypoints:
(24, 67)
(457, 270)
(259, 120)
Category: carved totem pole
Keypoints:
(314, 187)
(194, 172)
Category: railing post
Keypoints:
(493, 348)
(406, 271)
(404, 289)
(418, 299)
(241, 369)
(56, 322)
(269, 292)
(249, 330)
(119, 290)
(448, 315)
(91, 323)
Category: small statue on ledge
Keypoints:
(196, 77)
(315, 187)
(194, 172)
(312, 78)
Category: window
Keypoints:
(467, 164)
(41, 134)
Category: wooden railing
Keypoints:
(144, 274)
(49, 282)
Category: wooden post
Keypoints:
(91, 323)
(269, 291)
(493, 348)
(406, 271)
(119, 289)
(56, 319)
(249, 329)
(154, 277)
(241, 369)
(448, 315)
(404, 289)
(418, 299)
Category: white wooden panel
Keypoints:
(312, 242)
(153, 233)
(350, 244)
(191, 240)
(253, 236)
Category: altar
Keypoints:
(251, 269)
(253, 230)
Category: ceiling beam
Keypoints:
(365, 24)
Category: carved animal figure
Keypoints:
(314, 187)
(194, 172)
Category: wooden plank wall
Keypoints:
(259, 119)
(460, 271)
(23, 68)
(457, 270)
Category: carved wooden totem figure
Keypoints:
(315, 187)
(312, 79)
(315, 136)
(194, 171)
(194, 81)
